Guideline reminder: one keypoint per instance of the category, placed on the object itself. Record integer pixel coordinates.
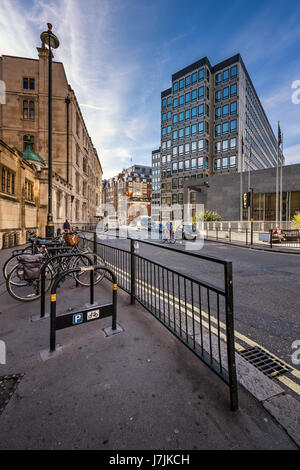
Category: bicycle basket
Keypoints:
(71, 239)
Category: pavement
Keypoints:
(138, 389)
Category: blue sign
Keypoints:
(77, 318)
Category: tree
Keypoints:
(296, 220)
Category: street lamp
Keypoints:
(50, 40)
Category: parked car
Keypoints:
(186, 232)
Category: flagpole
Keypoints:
(281, 157)
(277, 178)
(241, 180)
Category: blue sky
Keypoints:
(120, 54)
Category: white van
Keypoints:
(112, 223)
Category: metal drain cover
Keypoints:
(8, 385)
(265, 362)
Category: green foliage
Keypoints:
(296, 220)
(207, 216)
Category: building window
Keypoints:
(225, 145)
(233, 107)
(187, 115)
(233, 71)
(194, 129)
(201, 110)
(217, 164)
(233, 125)
(218, 78)
(201, 127)
(164, 103)
(233, 90)
(175, 87)
(174, 198)
(28, 139)
(175, 118)
(181, 84)
(28, 83)
(193, 198)
(174, 183)
(232, 162)
(163, 131)
(181, 116)
(201, 92)
(164, 117)
(233, 143)
(187, 98)
(186, 164)
(226, 75)
(175, 135)
(225, 128)
(194, 112)
(201, 75)
(175, 103)
(169, 101)
(225, 93)
(200, 162)
(187, 148)
(218, 147)
(181, 100)
(218, 96)
(194, 163)
(194, 146)
(169, 115)
(28, 109)
(169, 130)
(180, 133)
(180, 166)
(174, 167)
(218, 130)
(218, 113)
(194, 78)
(180, 149)
(194, 95)
(28, 190)
(187, 131)
(7, 180)
(225, 162)
(225, 110)
(187, 81)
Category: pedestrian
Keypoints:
(66, 226)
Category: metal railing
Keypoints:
(198, 313)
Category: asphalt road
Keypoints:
(266, 290)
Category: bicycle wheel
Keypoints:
(27, 291)
(11, 263)
(83, 277)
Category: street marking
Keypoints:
(164, 296)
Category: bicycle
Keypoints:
(37, 246)
(28, 290)
(168, 239)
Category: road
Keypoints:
(266, 292)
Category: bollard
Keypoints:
(132, 273)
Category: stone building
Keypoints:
(20, 211)
(76, 165)
(133, 186)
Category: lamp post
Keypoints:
(50, 40)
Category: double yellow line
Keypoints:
(192, 311)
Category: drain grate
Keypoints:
(265, 362)
(8, 385)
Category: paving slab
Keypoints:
(139, 389)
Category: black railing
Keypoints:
(198, 313)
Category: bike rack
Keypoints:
(83, 316)
(43, 279)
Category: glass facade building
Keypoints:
(204, 115)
